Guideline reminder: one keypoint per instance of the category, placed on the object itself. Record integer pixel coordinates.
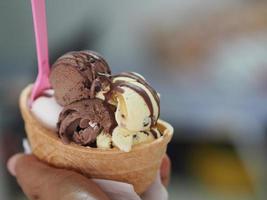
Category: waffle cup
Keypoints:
(138, 167)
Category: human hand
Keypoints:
(41, 181)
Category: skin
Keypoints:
(41, 181)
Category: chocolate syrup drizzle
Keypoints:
(153, 132)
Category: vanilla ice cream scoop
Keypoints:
(104, 140)
(125, 139)
(137, 102)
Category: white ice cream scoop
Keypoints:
(46, 109)
(138, 103)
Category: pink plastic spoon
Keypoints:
(40, 29)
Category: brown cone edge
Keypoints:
(138, 167)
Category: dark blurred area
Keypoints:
(207, 59)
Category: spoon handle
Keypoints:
(40, 29)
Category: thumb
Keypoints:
(40, 181)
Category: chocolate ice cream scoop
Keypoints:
(82, 121)
(78, 75)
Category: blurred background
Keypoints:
(207, 59)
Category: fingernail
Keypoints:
(11, 164)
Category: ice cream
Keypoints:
(137, 110)
(75, 76)
(125, 139)
(103, 110)
(47, 110)
(82, 121)
(131, 92)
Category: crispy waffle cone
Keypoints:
(137, 167)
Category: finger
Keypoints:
(165, 170)
(40, 181)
